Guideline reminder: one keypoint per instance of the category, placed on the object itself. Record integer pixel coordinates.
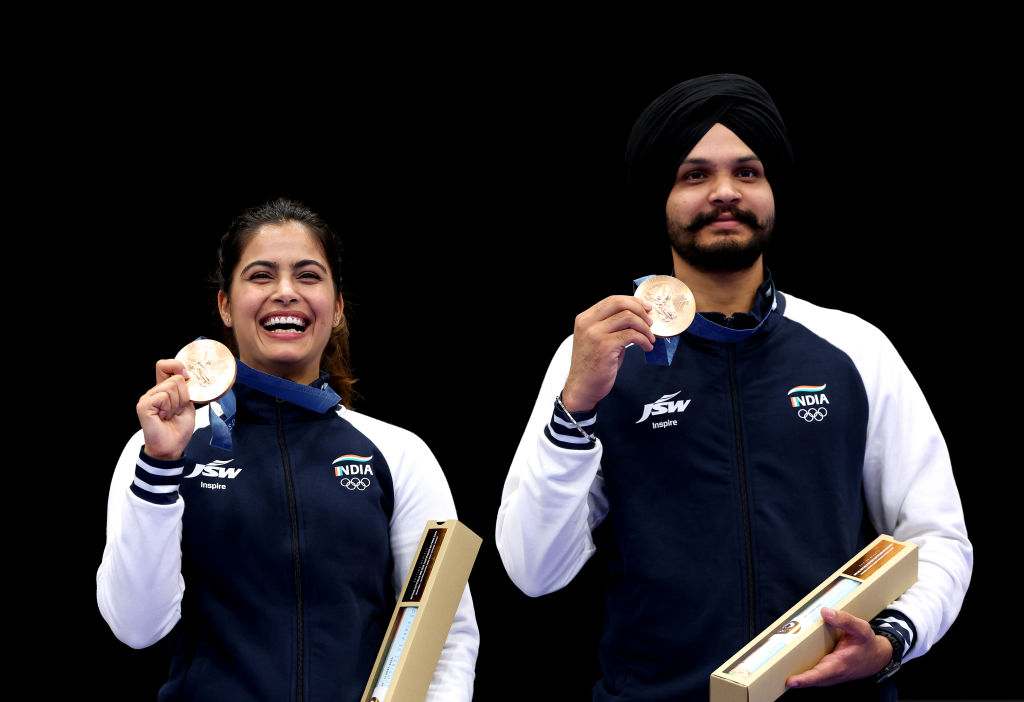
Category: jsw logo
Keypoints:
(663, 405)
(215, 470)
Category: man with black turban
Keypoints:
(723, 473)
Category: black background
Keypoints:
(477, 186)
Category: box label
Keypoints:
(874, 559)
(424, 563)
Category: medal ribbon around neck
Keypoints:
(314, 399)
(665, 348)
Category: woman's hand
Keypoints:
(166, 413)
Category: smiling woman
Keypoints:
(291, 596)
(279, 295)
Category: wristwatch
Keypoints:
(896, 661)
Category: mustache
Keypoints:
(705, 218)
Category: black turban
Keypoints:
(671, 126)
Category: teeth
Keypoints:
(284, 319)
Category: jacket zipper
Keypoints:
(744, 494)
(296, 560)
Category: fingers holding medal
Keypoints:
(201, 372)
(600, 338)
(662, 306)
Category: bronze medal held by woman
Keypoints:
(286, 562)
(280, 300)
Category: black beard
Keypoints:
(727, 255)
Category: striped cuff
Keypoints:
(897, 624)
(563, 433)
(157, 481)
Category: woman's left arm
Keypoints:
(422, 495)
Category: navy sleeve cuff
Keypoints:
(564, 433)
(897, 624)
(157, 481)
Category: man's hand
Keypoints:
(860, 652)
(599, 342)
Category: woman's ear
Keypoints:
(224, 307)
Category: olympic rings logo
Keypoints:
(355, 483)
(815, 414)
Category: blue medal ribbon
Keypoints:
(306, 396)
(221, 425)
(316, 399)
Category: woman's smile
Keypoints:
(282, 304)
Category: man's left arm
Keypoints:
(911, 494)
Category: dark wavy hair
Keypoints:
(336, 359)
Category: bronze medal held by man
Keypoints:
(671, 304)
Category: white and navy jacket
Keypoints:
(274, 565)
(730, 483)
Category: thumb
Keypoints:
(845, 622)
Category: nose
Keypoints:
(285, 292)
(724, 192)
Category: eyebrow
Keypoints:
(298, 264)
(706, 161)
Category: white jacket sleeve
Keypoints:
(139, 584)
(552, 499)
(911, 494)
(908, 477)
(421, 495)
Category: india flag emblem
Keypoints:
(806, 388)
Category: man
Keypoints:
(724, 473)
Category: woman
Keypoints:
(291, 565)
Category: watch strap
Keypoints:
(896, 661)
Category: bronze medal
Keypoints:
(211, 369)
(672, 304)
